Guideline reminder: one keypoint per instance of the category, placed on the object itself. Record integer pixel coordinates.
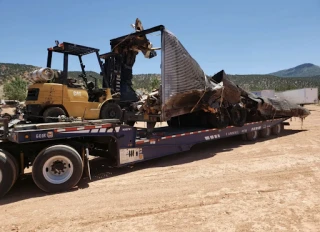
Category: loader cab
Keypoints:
(79, 51)
(69, 49)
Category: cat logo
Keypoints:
(76, 93)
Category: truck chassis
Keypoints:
(59, 153)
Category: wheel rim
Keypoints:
(57, 169)
(1, 176)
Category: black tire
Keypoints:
(218, 120)
(244, 137)
(111, 110)
(276, 129)
(174, 122)
(63, 157)
(52, 112)
(130, 123)
(265, 132)
(238, 116)
(251, 136)
(8, 172)
(16, 166)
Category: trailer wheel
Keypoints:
(250, 136)
(8, 172)
(276, 129)
(57, 168)
(264, 133)
(244, 137)
(52, 112)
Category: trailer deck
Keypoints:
(58, 151)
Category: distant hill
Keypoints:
(144, 81)
(8, 70)
(303, 70)
(261, 82)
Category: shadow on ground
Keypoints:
(101, 169)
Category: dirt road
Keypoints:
(227, 185)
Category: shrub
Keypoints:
(15, 89)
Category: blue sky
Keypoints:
(241, 37)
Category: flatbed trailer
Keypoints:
(59, 152)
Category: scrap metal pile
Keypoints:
(187, 95)
(150, 104)
(11, 109)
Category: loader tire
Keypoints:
(111, 110)
(52, 112)
(8, 172)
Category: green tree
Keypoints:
(154, 83)
(15, 89)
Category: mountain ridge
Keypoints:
(302, 70)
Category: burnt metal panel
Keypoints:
(183, 82)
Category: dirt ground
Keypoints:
(227, 185)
